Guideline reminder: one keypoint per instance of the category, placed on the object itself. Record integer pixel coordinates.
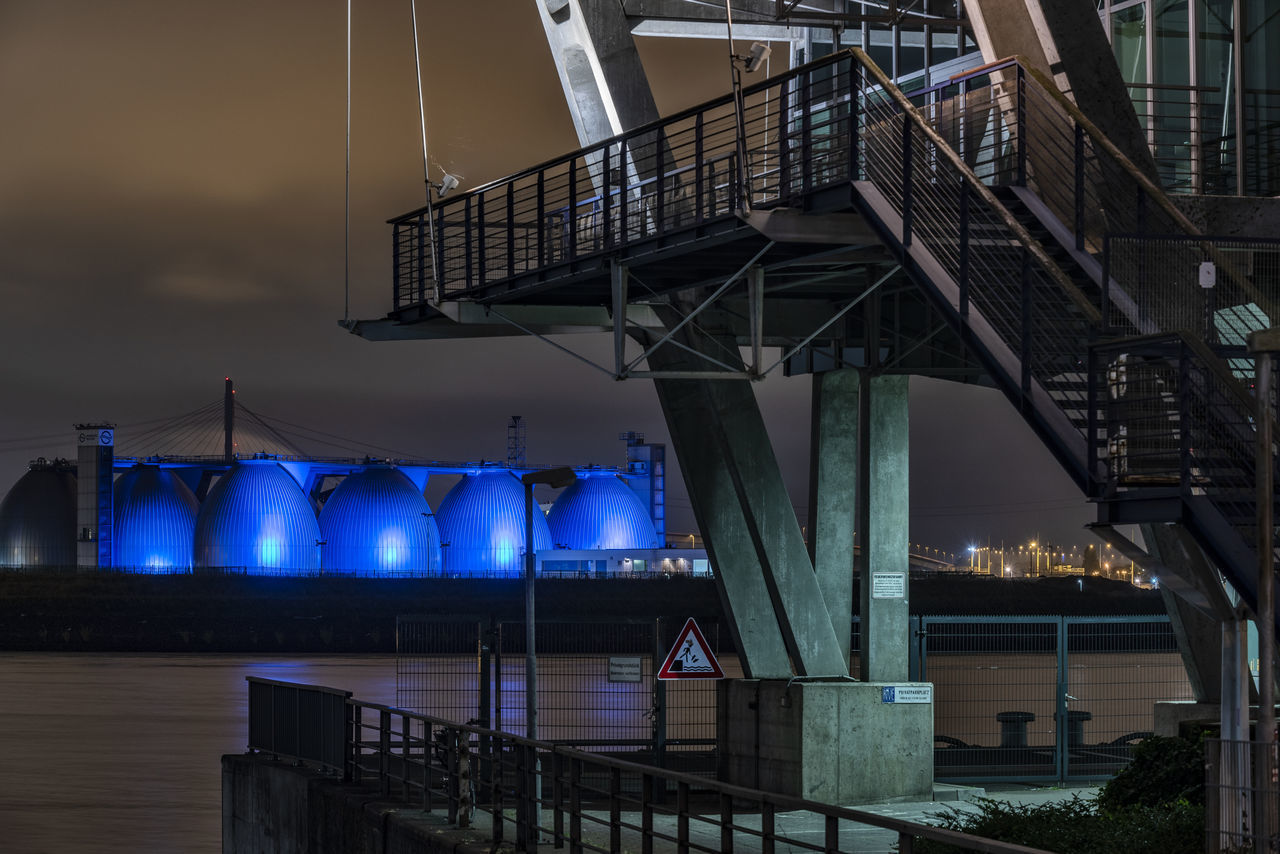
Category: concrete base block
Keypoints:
(1169, 715)
(835, 742)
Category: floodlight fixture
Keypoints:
(757, 56)
(447, 183)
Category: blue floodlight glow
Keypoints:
(482, 525)
(258, 519)
(38, 518)
(155, 521)
(599, 511)
(377, 523)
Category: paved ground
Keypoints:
(859, 838)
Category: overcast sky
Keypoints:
(171, 212)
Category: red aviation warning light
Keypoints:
(691, 657)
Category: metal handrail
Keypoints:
(427, 756)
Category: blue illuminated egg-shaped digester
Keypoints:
(155, 521)
(38, 518)
(377, 523)
(258, 519)
(482, 525)
(599, 511)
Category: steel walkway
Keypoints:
(1056, 265)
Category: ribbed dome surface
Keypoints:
(38, 518)
(482, 525)
(377, 523)
(258, 518)
(155, 521)
(599, 511)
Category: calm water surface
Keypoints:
(120, 753)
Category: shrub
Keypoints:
(1163, 771)
(1078, 827)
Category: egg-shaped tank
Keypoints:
(155, 521)
(257, 519)
(482, 525)
(599, 511)
(377, 523)
(38, 517)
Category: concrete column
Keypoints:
(884, 520)
(753, 538)
(833, 494)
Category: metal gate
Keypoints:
(596, 686)
(1044, 698)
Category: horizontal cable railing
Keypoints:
(519, 790)
(658, 180)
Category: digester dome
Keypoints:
(155, 521)
(482, 525)
(38, 518)
(377, 522)
(257, 518)
(599, 511)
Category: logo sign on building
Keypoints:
(624, 668)
(104, 438)
(691, 657)
(906, 694)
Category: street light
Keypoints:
(556, 479)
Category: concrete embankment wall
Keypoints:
(270, 805)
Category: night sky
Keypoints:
(171, 212)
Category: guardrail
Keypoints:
(534, 789)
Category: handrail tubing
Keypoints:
(650, 127)
(1060, 278)
(376, 755)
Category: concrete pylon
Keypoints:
(833, 490)
(763, 571)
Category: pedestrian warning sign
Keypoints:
(691, 657)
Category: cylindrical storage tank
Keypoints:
(155, 521)
(257, 519)
(599, 511)
(377, 523)
(38, 518)
(482, 525)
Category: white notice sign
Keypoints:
(906, 694)
(624, 668)
(888, 585)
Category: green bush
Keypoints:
(1078, 826)
(1163, 771)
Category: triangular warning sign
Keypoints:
(691, 657)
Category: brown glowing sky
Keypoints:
(171, 211)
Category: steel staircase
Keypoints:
(1062, 266)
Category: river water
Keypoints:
(120, 753)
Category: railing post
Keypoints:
(1027, 333)
(1187, 441)
(1061, 758)
(572, 225)
(963, 272)
(624, 195)
(646, 814)
(606, 201)
(522, 799)
(768, 830)
(396, 273)
(350, 748)
(699, 171)
(557, 798)
(481, 248)
(1021, 119)
(615, 809)
(806, 131)
(1091, 424)
(1079, 169)
(438, 249)
(682, 817)
(404, 756)
(468, 248)
(384, 751)
(542, 220)
(511, 229)
(726, 822)
(784, 146)
(855, 114)
(906, 180)
(1105, 305)
(575, 806)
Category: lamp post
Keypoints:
(555, 478)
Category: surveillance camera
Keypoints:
(447, 183)
(757, 56)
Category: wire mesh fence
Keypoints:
(1041, 698)
(597, 687)
(1242, 796)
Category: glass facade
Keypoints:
(1216, 130)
